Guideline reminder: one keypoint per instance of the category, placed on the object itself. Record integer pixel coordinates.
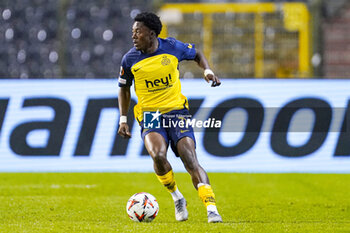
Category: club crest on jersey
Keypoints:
(165, 61)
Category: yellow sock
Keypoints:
(168, 181)
(207, 195)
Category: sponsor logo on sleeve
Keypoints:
(122, 80)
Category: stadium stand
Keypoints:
(245, 40)
(65, 39)
(86, 39)
(336, 30)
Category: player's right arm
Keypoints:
(124, 97)
(124, 103)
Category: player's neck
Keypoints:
(153, 46)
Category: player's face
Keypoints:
(141, 36)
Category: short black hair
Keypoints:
(151, 20)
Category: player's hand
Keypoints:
(215, 80)
(124, 130)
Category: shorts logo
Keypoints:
(165, 61)
(151, 120)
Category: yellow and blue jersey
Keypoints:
(156, 76)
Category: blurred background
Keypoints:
(242, 39)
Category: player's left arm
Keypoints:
(208, 73)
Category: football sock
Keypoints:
(169, 183)
(176, 195)
(207, 196)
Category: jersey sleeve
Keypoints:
(187, 50)
(125, 75)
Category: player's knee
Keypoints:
(158, 156)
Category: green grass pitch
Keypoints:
(95, 202)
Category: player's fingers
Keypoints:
(121, 133)
(124, 131)
(208, 77)
(216, 82)
(127, 134)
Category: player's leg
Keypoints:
(186, 149)
(157, 147)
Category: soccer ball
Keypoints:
(142, 207)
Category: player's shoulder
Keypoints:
(174, 44)
(130, 56)
(169, 41)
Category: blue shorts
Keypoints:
(172, 131)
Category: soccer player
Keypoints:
(152, 64)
